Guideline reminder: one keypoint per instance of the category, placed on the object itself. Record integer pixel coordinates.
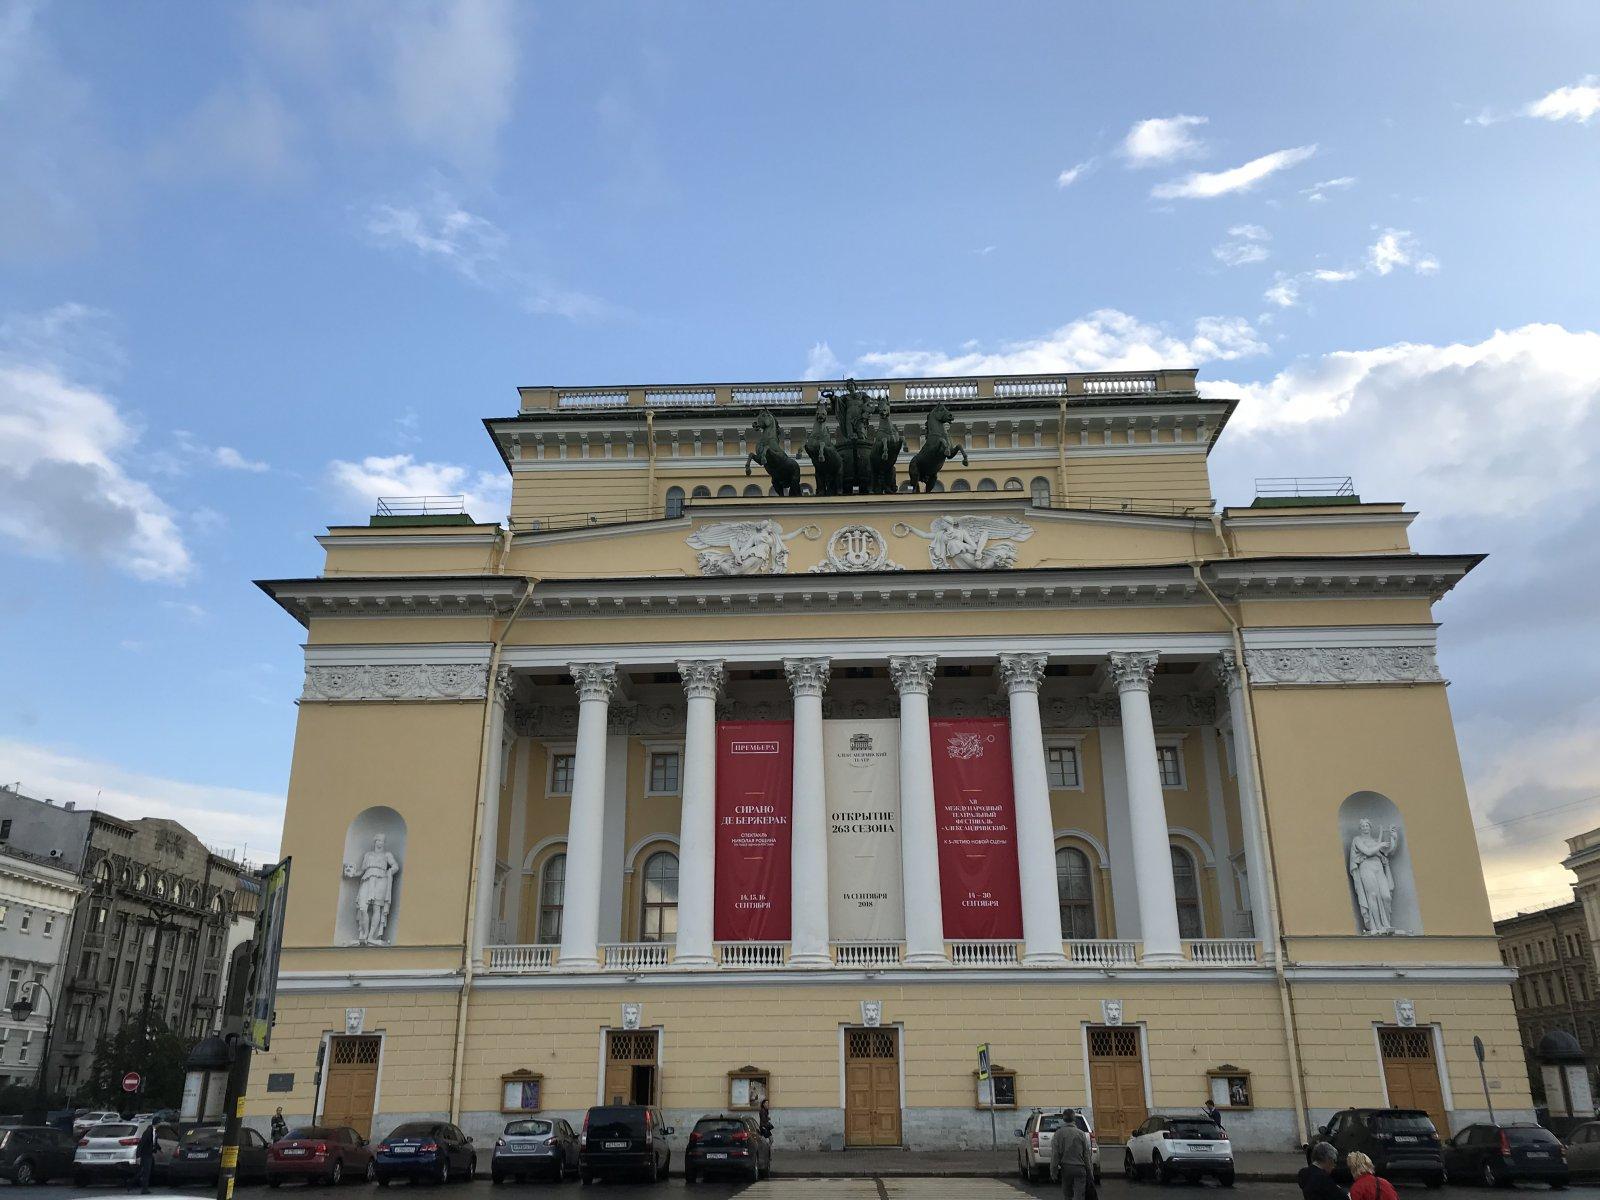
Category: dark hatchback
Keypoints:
(1500, 1155)
(434, 1150)
(199, 1156)
(727, 1145)
(624, 1139)
(1402, 1143)
(535, 1146)
(35, 1153)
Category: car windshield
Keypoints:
(412, 1129)
(529, 1128)
(311, 1133)
(616, 1122)
(1402, 1122)
(1529, 1135)
(1194, 1129)
(203, 1137)
(717, 1125)
(116, 1131)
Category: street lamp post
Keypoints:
(21, 1011)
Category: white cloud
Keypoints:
(225, 817)
(1284, 292)
(487, 495)
(1398, 248)
(1245, 244)
(1162, 140)
(231, 459)
(1578, 102)
(1105, 340)
(1207, 185)
(822, 363)
(1325, 275)
(64, 488)
(1074, 173)
(241, 129)
(1318, 192)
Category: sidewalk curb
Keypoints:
(844, 1172)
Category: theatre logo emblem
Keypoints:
(965, 746)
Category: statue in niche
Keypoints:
(769, 453)
(375, 894)
(1372, 876)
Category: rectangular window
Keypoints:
(49, 926)
(25, 921)
(664, 766)
(561, 774)
(1061, 766)
(13, 982)
(5, 1036)
(97, 919)
(5, 830)
(27, 1041)
(1170, 759)
(127, 975)
(3, 911)
(88, 966)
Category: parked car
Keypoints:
(1500, 1155)
(326, 1153)
(1037, 1135)
(433, 1150)
(84, 1121)
(35, 1153)
(1170, 1146)
(544, 1146)
(112, 1150)
(618, 1139)
(727, 1145)
(1401, 1142)
(199, 1156)
(1583, 1150)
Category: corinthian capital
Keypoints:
(912, 673)
(594, 681)
(1131, 670)
(1022, 672)
(807, 676)
(702, 677)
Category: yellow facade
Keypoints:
(440, 707)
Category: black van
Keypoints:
(624, 1139)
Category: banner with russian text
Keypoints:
(755, 792)
(861, 774)
(973, 805)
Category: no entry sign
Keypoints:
(130, 1081)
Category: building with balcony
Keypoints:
(793, 739)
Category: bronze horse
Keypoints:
(769, 453)
(887, 444)
(825, 460)
(936, 450)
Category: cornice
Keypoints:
(396, 596)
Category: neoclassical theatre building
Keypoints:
(730, 767)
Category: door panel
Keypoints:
(1116, 1081)
(1412, 1074)
(352, 1083)
(872, 1087)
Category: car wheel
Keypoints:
(22, 1173)
(272, 1181)
(443, 1175)
(371, 1172)
(1130, 1169)
(336, 1174)
(1159, 1170)
(1225, 1179)
(1488, 1176)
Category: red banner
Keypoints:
(755, 793)
(977, 828)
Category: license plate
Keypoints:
(616, 1145)
(718, 1154)
(1405, 1137)
(1536, 1154)
(405, 1149)
(293, 1152)
(526, 1147)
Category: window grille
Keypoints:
(632, 1045)
(1107, 1041)
(354, 1051)
(1414, 1044)
(1171, 763)
(869, 1043)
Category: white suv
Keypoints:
(1166, 1147)
(1034, 1143)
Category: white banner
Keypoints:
(861, 776)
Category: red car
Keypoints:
(319, 1154)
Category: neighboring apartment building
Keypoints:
(1556, 987)
(152, 928)
(37, 899)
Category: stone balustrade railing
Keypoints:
(1222, 952)
(868, 954)
(635, 956)
(987, 953)
(752, 954)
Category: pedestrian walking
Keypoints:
(764, 1119)
(1069, 1154)
(1316, 1177)
(145, 1158)
(1368, 1184)
(280, 1127)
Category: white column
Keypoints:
(580, 916)
(697, 833)
(1119, 838)
(489, 827)
(808, 824)
(1251, 832)
(919, 830)
(1147, 810)
(522, 751)
(1221, 839)
(1036, 828)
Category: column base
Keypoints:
(811, 959)
(1044, 959)
(693, 960)
(927, 958)
(1162, 958)
(563, 963)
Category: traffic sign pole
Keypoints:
(132, 1081)
(1477, 1048)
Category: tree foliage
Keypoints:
(156, 1053)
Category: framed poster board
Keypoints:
(1229, 1088)
(1003, 1081)
(521, 1092)
(748, 1087)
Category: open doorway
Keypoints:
(633, 1074)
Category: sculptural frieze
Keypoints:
(376, 870)
(745, 547)
(971, 543)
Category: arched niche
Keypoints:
(359, 842)
(1377, 865)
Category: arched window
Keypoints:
(701, 492)
(1186, 886)
(727, 490)
(1040, 489)
(674, 502)
(102, 874)
(1075, 887)
(658, 917)
(986, 485)
(752, 489)
(961, 485)
(1013, 484)
(552, 890)
(937, 486)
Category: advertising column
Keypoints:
(977, 829)
(862, 782)
(755, 780)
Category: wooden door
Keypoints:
(1412, 1074)
(352, 1083)
(631, 1074)
(871, 1087)
(1116, 1081)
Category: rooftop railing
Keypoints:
(1300, 486)
(421, 506)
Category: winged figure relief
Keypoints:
(743, 547)
(972, 543)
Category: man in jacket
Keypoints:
(145, 1158)
(1069, 1154)
(1316, 1179)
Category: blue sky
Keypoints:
(262, 262)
